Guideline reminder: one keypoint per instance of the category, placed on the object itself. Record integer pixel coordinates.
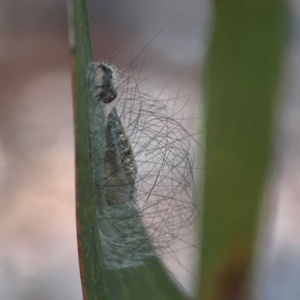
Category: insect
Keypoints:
(142, 168)
(120, 166)
(108, 92)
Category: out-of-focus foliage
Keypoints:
(241, 86)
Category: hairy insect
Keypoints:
(120, 165)
(108, 92)
(142, 168)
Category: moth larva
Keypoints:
(142, 168)
(108, 92)
(120, 165)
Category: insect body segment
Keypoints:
(151, 186)
(120, 165)
(108, 92)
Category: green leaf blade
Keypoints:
(242, 83)
(148, 281)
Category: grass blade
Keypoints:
(87, 234)
(148, 281)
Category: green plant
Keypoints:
(242, 72)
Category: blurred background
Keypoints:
(169, 40)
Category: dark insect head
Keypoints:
(108, 95)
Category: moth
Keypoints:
(120, 166)
(107, 85)
(145, 167)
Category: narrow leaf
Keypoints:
(149, 280)
(241, 88)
